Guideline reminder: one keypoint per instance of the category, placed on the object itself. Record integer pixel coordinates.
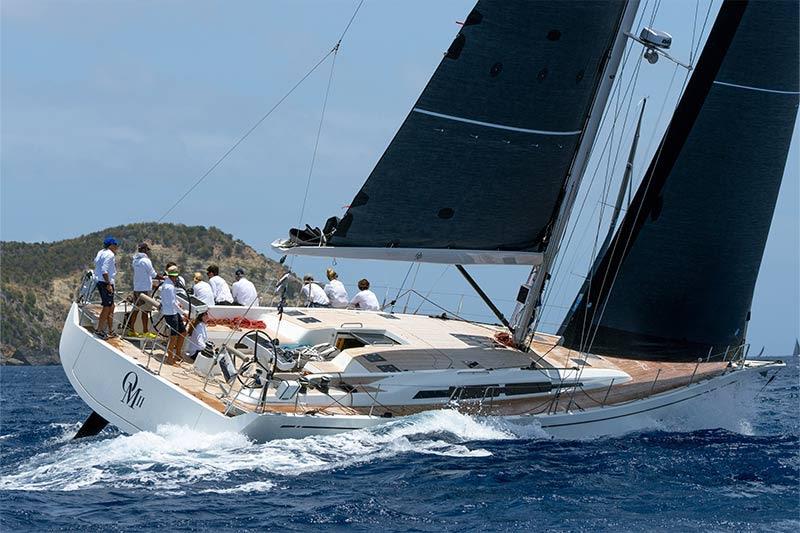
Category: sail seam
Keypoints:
(493, 125)
(751, 88)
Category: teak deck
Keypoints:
(648, 377)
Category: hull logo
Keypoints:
(131, 392)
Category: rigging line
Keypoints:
(265, 116)
(319, 133)
(614, 94)
(584, 333)
(427, 294)
(413, 283)
(349, 23)
(694, 30)
(403, 284)
(617, 89)
(630, 235)
(244, 136)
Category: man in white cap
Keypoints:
(105, 271)
(313, 295)
(243, 291)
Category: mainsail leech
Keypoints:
(678, 280)
(481, 161)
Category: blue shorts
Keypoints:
(106, 296)
(176, 325)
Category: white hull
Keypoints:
(134, 399)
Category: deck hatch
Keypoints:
(309, 320)
(475, 340)
(374, 357)
(388, 368)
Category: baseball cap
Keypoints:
(110, 241)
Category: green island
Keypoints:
(38, 280)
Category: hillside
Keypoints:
(38, 280)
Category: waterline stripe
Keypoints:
(755, 88)
(491, 125)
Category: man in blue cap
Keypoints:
(105, 270)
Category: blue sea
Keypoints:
(433, 472)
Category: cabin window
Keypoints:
(358, 339)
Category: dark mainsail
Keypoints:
(481, 160)
(678, 278)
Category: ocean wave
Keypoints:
(173, 456)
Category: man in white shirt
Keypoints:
(243, 291)
(335, 290)
(313, 295)
(202, 290)
(365, 300)
(173, 316)
(143, 275)
(105, 271)
(222, 293)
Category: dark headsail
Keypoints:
(481, 160)
(678, 278)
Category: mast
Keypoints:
(526, 314)
(625, 185)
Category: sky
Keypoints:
(111, 110)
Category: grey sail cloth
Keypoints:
(481, 160)
(688, 251)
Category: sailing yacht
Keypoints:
(485, 169)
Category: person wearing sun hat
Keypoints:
(173, 315)
(105, 272)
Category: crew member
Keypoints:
(365, 300)
(335, 290)
(198, 335)
(143, 275)
(105, 271)
(173, 316)
(202, 290)
(243, 291)
(313, 294)
(222, 293)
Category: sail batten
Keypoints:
(497, 126)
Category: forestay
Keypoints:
(481, 160)
(678, 279)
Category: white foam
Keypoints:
(253, 486)
(173, 457)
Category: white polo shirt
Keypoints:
(104, 263)
(337, 294)
(366, 301)
(313, 294)
(202, 291)
(169, 300)
(222, 293)
(244, 293)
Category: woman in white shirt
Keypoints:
(198, 335)
(335, 290)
